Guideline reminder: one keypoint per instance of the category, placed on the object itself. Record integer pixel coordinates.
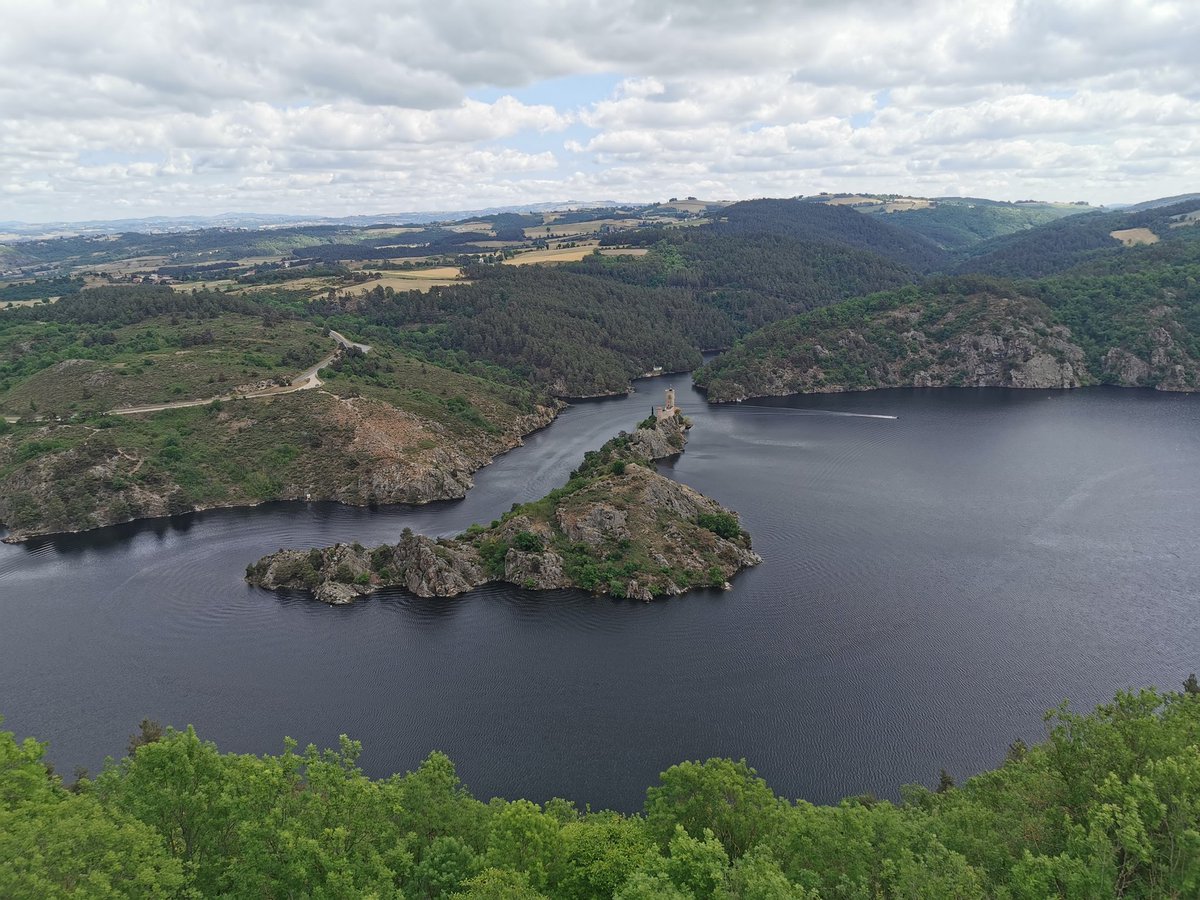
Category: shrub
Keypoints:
(528, 542)
(722, 524)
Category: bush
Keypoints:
(618, 467)
(528, 542)
(722, 524)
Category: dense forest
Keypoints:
(960, 222)
(1061, 245)
(1108, 315)
(1107, 806)
(1137, 328)
(836, 224)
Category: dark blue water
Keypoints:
(932, 583)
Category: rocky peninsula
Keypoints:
(616, 527)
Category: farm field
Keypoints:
(1133, 237)
(568, 229)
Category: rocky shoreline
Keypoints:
(377, 436)
(617, 527)
(977, 342)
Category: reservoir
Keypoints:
(940, 567)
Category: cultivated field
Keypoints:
(571, 254)
(1132, 237)
(573, 228)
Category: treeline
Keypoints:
(40, 289)
(1107, 806)
(429, 242)
(118, 305)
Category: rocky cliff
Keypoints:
(915, 338)
(616, 527)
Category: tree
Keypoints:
(723, 796)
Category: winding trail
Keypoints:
(305, 381)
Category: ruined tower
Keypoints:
(668, 409)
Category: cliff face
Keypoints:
(616, 527)
(979, 340)
(310, 445)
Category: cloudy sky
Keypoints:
(112, 108)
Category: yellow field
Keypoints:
(13, 304)
(391, 232)
(852, 201)
(414, 279)
(553, 255)
(473, 228)
(1131, 237)
(566, 230)
(571, 254)
(126, 266)
(693, 205)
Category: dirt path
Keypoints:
(305, 381)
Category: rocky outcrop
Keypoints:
(536, 571)
(618, 527)
(941, 340)
(1122, 367)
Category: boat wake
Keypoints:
(817, 412)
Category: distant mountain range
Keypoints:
(170, 224)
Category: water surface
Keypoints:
(932, 583)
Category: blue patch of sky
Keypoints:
(567, 93)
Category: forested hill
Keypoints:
(955, 223)
(1107, 806)
(1137, 328)
(818, 222)
(1061, 245)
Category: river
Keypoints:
(932, 583)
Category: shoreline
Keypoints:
(21, 537)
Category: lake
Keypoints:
(932, 584)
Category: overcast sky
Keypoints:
(336, 107)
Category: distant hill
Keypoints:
(1160, 202)
(1069, 242)
(954, 223)
(836, 224)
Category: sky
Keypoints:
(122, 108)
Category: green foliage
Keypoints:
(721, 524)
(528, 542)
(1108, 805)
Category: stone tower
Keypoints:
(668, 409)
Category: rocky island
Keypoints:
(616, 527)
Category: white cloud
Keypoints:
(368, 106)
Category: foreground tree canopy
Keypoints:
(1107, 806)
